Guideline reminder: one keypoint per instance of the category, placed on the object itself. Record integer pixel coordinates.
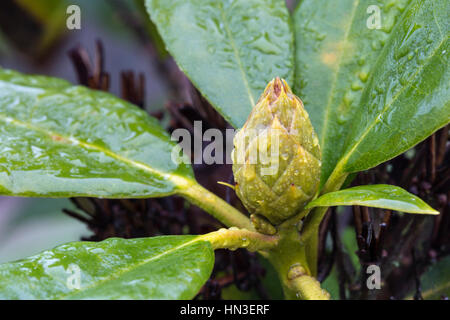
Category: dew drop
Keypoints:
(363, 76)
(315, 141)
(321, 36)
(356, 86)
(374, 45)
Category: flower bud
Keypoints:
(276, 156)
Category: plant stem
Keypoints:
(218, 208)
(295, 257)
(310, 232)
(235, 238)
(289, 259)
(310, 237)
(306, 288)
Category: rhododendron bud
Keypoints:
(276, 156)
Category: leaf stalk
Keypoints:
(218, 208)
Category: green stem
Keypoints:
(310, 237)
(289, 259)
(235, 238)
(218, 208)
(295, 257)
(310, 232)
(293, 252)
(305, 287)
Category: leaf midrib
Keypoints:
(333, 86)
(176, 179)
(115, 275)
(387, 107)
(237, 56)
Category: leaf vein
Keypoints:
(238, 57)
(333, 86)
(174, 178)
(135, 266)
(388, 105)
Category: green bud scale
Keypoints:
(276, 156)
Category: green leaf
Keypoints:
(59, 140)
(170, 267)
(407, 97)
(378, 196)
(229, 49)
(435, 282)
(334, 56)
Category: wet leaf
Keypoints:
(59, 140)
(378, 196)
(407, 97)
(170, 267)
(229, 49)
(337, 43)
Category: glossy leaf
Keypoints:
(170, 267)
(337, 43)
(378, 196)
(407, 97)
(229, 49)
(58, 140)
